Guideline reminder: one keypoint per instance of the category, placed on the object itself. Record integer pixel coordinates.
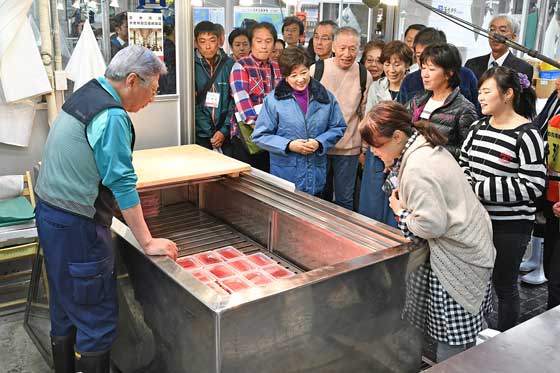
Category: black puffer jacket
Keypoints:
(452, 119)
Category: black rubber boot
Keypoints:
(63, 353)
(93, 362)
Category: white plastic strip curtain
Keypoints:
(87, 61)
(22, 74)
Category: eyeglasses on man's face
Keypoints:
(155, 90)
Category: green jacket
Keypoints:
(208, 119)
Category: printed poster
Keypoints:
(146, 29)
(259, 14)
(215, 15)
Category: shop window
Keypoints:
(154, 25)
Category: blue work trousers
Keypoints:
(80, 265)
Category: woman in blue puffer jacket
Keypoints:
(299, 122)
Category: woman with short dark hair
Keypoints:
(436, 206)
(441, 103)
(299, 122)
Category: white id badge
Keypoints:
(212, 99)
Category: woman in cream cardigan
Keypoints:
(433, 202)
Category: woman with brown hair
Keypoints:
(437, 205)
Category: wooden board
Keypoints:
(176, 164)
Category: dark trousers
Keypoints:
(551, 258)
(205, 142)
(510, 248)
(260, 161)
(80, 266)
(342, 171)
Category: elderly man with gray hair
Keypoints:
(348, 81)
(503, 26)
(86, 172)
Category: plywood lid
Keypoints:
(177, 164)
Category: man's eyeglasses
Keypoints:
(324, 39)
(155, 91)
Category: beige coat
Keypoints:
(446, 212)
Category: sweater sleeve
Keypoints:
(426, 219)
(530, 182)
(335, 129)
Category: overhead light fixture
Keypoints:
(114, 3)
(196, 2)
(76, 4)
(59, 6)
(246, 2)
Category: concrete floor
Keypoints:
(18, 354)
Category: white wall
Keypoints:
(156, 126)
(15, 159)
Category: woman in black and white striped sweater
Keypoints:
(503, 159)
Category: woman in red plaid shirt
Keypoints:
(251, 79)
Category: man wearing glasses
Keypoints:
(86, 173)
(504, 26)
(321, 45)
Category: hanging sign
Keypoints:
(146, 29)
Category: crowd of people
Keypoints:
(454, 156)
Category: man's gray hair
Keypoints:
(135, 59)
(347, 30)
(513, 24)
